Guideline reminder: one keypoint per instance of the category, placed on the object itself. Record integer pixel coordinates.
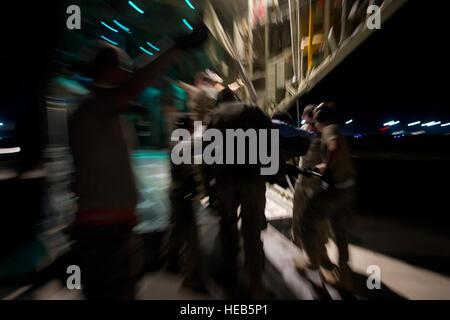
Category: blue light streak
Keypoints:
(136, 7)
(148, 52)
(157, 49)
(190, 4)
(109, 27)
(65, 52)
(187, 24)
(110, 41)
(122, 26)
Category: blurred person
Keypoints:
(225, 95)
(173, 103)
(335, 203)
(294, 143)
(285, 119)
(215, 80)
(240, 185)
(306, 187)
(202, 99)
(181, 245)
(129, 133)
(104, 181)
(202, 96)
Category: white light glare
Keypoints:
(9, 150)
(391, 123)
(431, 124)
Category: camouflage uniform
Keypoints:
(201, 105)
(333, 205)
(305, 189)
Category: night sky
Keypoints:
(399, 73)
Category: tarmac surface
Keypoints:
(388, 244)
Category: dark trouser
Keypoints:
(202, 179)
(109, 259)
(181, 244)
(249, 193)
(334, 206)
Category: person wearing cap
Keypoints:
(306, 187)
(202, 96)
(104, 180)
(334, 204)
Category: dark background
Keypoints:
(399, 73)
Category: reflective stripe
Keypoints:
(106, 217)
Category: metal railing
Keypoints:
(287, 46)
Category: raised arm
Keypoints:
(143, 78)
(187, 87)
(148, 74)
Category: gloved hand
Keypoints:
(194, 39)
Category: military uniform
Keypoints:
(334, 204)
(240, 185)
(203, 102)
(181, 245)
(305, 189)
